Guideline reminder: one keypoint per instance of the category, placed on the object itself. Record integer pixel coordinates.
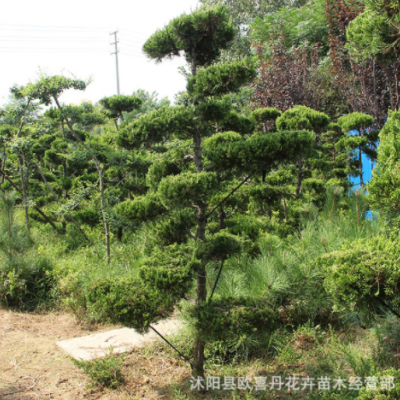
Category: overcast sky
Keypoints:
(74, 37)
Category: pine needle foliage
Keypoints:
(201, 41)
(151, 294)
(283, 283)
(115, 105)
(220, 79)
(302, 118)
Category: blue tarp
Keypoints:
(367, 166)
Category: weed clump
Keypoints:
(104, 372)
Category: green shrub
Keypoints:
(262, 116)
(174, 228)
(138, 301)
(12, 287)
(233, 318)
(364, 275)
(128, 301)
(105, 372)
(40, 283)
(73, 296)
(159, 170)
(385, 182)
(73, 238)
(28, 286)
(393, 394)
(88, 217)
(25, 281)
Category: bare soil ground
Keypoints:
(33, 367)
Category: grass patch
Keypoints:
(104, 372)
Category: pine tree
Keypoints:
(193, 174)
(115, 106)
(48, 89)
(339, 162)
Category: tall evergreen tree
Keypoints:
(190, 176)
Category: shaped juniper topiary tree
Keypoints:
(339, 161)
(296, 179)
(201, 36)
(115, 106)
(303, 118)
(263, 117)
(206, 151)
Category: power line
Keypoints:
(42, 30)
(53, 48)
(52, 51)
(33, 39)
(134, 32)
(130, 55)
(132, 50)
(132, 41)
(131, 34)
(58, 26)
(134, 36)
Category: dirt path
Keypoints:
(32, 366)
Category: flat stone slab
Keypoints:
(121, 340)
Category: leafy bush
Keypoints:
(73, 295)
(12, 287)
(174, 228)
(247, 226)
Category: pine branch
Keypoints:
(59, 201)
(35, 207)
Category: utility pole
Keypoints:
(116, 56)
